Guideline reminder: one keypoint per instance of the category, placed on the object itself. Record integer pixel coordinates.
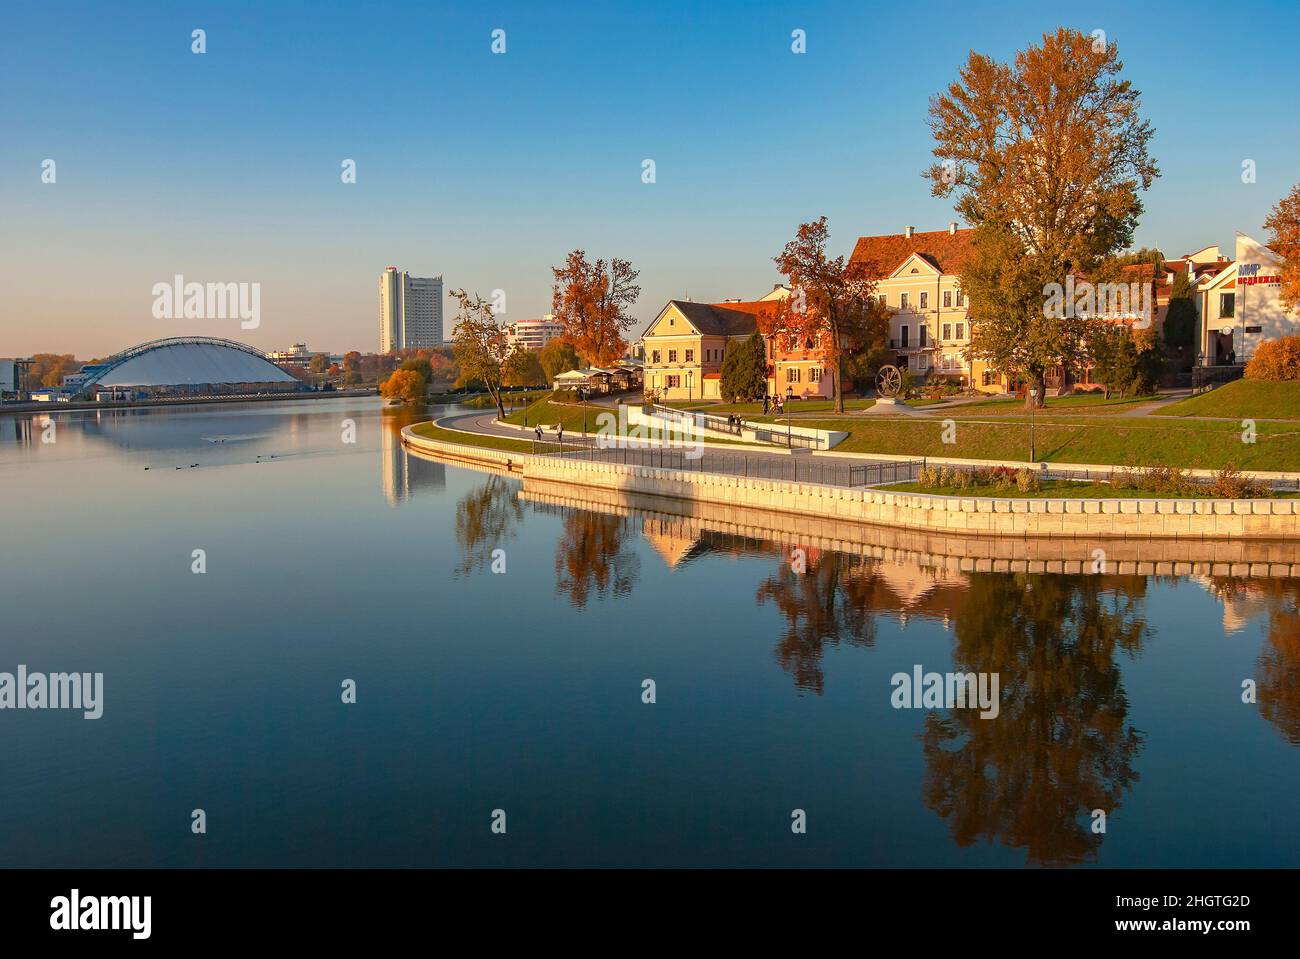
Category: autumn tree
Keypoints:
(558, 356)
(832, 303)
(1283, 225)
(48, 369)
(1045, 157)
(405, 385)
(591, 302)
(522, 368)
(480, 344)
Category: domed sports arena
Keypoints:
(182, 366)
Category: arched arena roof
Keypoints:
(187, 361)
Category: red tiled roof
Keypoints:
(884, 254)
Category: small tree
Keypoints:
(1113, 354)
(1149, 363)
(744, 369)
(522, 368)
(405, 385)
(479, 344)
(558, 356)
(1181, 316)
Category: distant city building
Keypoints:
(175, 367)
(299, 355)
(533, 334)
(410, 311)
(13, 378)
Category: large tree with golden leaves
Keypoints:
(591, 302)
(1045, 156)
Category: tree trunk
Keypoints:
(836, 392)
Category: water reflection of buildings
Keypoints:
(402, 473)
(1064, 743)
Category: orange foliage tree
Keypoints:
(1277, 359)
(832, 302)
(591, 300)
(406, 385)
(1283, 224)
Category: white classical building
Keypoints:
(410, 311)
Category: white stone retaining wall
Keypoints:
(1093, 518)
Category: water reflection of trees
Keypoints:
(486, 518)
(1277, 671)
(594, 555)
(1061, 745)
(833, 600)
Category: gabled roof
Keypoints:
(712, 320)
(926, 261)
(884, 254)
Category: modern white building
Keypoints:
(1241, 305)
(410, 311)
(533, 334)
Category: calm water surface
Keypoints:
(521, 691)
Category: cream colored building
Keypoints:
(684, 347)
(917, 279)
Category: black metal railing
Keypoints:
(796, 469)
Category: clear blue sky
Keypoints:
(488, 168)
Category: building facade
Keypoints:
(533, 335)
(917, 280)
(684, 346)
(410, 311)
(1241, 305)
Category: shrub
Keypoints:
(1002, 477)
(928, 477)
(1027, 480)
(1276, 360)
(1230, 484)
(1165, 479)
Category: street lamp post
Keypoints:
(789, 395)
(689, 377)
(1033, 397)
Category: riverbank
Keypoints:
(185, 401)
(1129, 518)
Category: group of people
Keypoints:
(773, 403)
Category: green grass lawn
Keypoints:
(548, 414)
(434, 432)
(1243, 399)
(1057, 489)
(1137, 441)
(1090, 404)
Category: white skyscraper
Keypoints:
(410, 311)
